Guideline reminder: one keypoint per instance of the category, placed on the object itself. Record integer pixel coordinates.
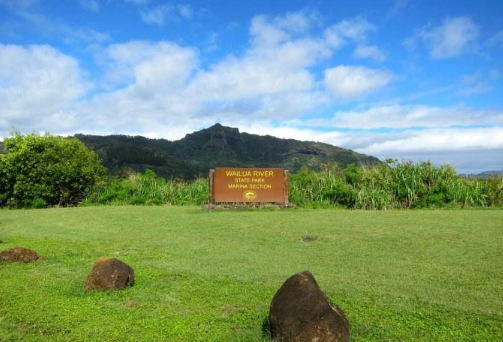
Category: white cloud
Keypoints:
(350, 82)
(298, 22)
(261, 72)
(152, 99)
(402, 116)
(333, 39)
(276, 64)
(369, 51)
(135, 111)
(454, 37)
(264, 33)
(439, 139)
(39, 85)
(354, 29)
(161, 64)
(161, 14)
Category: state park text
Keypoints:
(249, 179)
(248, 185)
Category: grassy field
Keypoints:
(426, 275)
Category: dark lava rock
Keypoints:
(300, 312)
(309, 238)
(18, 254)
(110, 274)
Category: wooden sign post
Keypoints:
(248, 185)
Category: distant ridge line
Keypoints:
(215, 146)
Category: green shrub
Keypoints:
(40, 171)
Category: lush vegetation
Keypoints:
(40, 171)
(418, 275)
(384, 186)
(148, 189)
(393, 185)
(192, 156)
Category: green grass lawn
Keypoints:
(210, 276)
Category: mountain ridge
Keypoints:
(484, 174)
(215, 146)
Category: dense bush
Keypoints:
(44, 170)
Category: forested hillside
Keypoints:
(216, 146)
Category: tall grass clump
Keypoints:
(325, 189)
(393, 185)
(148, 189)
(417, 185)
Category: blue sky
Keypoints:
(404, 79)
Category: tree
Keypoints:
(45, 170)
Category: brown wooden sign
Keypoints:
(248, 185)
